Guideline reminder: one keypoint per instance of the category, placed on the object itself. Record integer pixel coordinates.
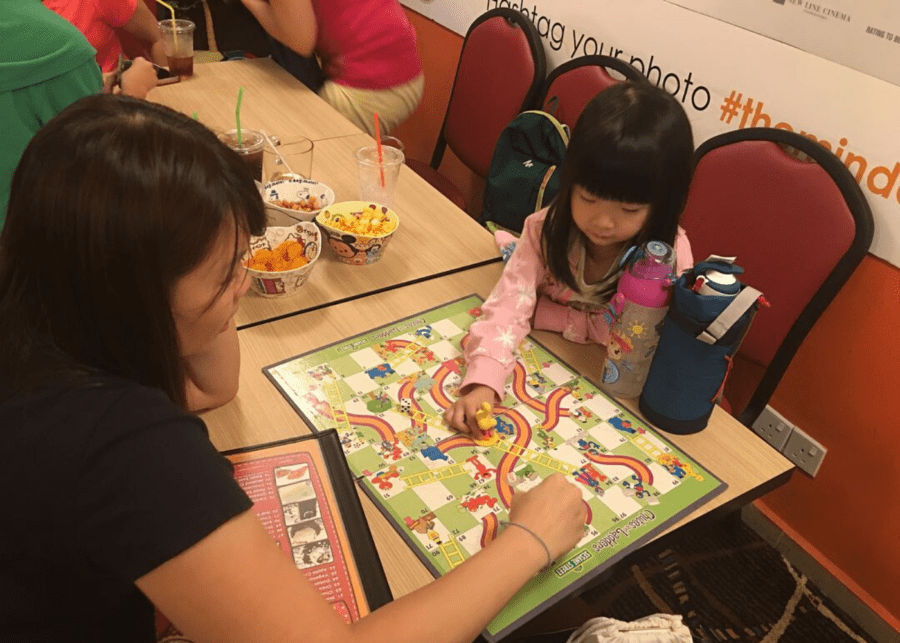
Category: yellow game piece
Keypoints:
(484, 418)
(487, 439)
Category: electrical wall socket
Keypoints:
(773, 428)
(805, 452)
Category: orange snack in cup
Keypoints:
(262, 255)
(287, 256)
(293, 251)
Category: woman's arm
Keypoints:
(144, 27)
(211, 378)
(236, 585)
(290, 22)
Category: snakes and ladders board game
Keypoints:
(384, 392)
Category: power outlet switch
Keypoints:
(773, 428)
(805, 452)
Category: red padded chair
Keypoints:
(798, 224)
(570, 87)
(500, 71)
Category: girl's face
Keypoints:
(202, 309)
(607, 224)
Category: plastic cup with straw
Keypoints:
(248, 143)
(178, 39)
(379, 168)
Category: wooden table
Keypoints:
(273, 100)
(260, 414)
(434, 238)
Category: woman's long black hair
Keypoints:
(632, 143)
(113, 200)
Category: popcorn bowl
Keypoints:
(358, 231)
(296, 197)
(284, 283)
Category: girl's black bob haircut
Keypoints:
(632, 143)
(113, 201)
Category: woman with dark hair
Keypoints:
(120, 274)
(624, 181)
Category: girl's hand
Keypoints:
(554, 511)
(461, 414)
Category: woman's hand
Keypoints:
(554, 511)
(461, 414)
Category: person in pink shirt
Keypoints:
(99, 19)
(624, 181)
(367, 49)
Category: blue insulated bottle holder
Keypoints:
(709, 315)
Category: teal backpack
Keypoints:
(523, 175)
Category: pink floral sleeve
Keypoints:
(684, 259)
(506, 315)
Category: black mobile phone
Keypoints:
(163, 75)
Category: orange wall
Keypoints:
(841, 389)
(439, 49)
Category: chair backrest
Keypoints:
(574, 83)
(500, 71)
(798, 224)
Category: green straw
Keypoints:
(237, 115)
(194, 116)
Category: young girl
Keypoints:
(624, 181)
(120, 274)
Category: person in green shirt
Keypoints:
(46, 64)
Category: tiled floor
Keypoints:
(828, 584)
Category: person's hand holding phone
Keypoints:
(139, 78)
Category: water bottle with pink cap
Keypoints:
(638, 308)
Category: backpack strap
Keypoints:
(562, 128)
(728, 317)
(544, 182)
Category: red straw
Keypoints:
(378, 146)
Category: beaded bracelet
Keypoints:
(538, 538)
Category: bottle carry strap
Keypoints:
(728, 317)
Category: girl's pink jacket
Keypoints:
(527, 296)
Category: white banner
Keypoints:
(728, 78)
(862, 34)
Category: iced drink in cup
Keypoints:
(250, 148)
(178, 39)
(371, 172)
